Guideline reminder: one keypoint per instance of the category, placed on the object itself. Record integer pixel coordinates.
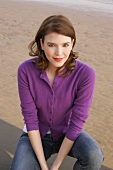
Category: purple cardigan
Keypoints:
(62, 108)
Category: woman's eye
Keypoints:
(65, 45)
(51, 45)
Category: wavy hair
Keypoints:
(57, 24)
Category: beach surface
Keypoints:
(19, 22)
(105, 6)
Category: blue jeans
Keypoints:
(88, 154)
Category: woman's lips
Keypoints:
(57, 59)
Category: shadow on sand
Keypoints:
(9, 136)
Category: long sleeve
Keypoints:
(82, 104)
(28, 106)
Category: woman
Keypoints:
(56, 93)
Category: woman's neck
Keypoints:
(51, 71)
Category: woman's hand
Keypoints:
(45, 169)
(53, 168)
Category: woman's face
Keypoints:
(57, 49)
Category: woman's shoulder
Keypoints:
(27, 64)
(84, 71)
(84, 68)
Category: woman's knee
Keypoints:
(94, 158)
(24, 157)
(88, 153)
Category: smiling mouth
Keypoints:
(58, 59)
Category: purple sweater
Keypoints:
(62, 108)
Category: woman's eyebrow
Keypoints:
(55, 43)
(66, 43)
(50, 43)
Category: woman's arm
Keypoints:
(64, 150)
(36, 143)
(82, 103)
(29, 111)
(80, 111)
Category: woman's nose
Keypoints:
(59, 51)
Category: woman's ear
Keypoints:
(41, 43)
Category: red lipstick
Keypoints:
(57, 59)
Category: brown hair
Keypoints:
(58, 24)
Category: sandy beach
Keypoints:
(19, 22)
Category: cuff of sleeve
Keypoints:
(31, 127)
(72, 135)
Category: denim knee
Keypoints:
(88, 153)
(91, 160)
(95, 158)
(24, 157)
